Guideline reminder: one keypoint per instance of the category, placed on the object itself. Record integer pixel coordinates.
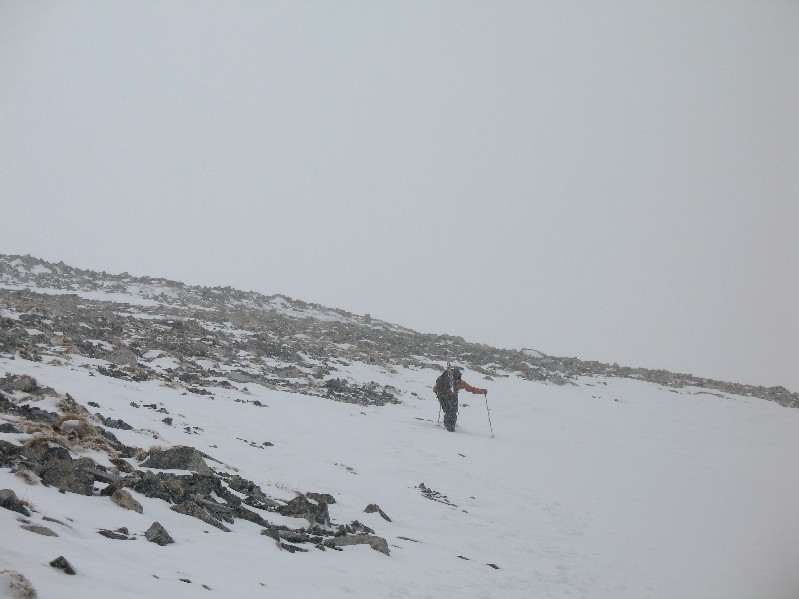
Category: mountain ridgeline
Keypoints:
(202, 338)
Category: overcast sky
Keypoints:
(616, 181)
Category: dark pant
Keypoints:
(450, 407)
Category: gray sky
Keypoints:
(615, 181)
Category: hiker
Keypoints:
(446, 390)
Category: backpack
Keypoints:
(445, 384)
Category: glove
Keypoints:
(485, 392)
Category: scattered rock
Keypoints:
(321, 498)
(27, 412)
(9, 501)
(297, 536)
(120, 534)
(302, 506)
(49, 519)
(271, 532)
(39, 530)
(100, 473)
(355, 528)
(63, 475)
(157, 534)
(180, 457)
(122, 450)
(373, 507)
(122, 357)
(7, 427)
(8, 453)
(53, 454)
(156, 486)
(114, 423)
(375, 542)
(190, 508)
(61, 563)
(434, 495)
(125, 500)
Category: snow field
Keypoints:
(616, 490)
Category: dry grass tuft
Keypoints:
(69, 406)
(98, 444)
(82, 436)
(26, 475)
(31, 428)
(42, 440)
(74, 425)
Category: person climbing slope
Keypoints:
(446, 389)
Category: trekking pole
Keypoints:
(485, 396)
(439, 415)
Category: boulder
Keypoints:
(122, 450)
(61, 563)
(8, 454)
(9, 501)
(157, 534)
(255, 496)
(122, 357)
(33, 450)
(100, 473)
(241, 512)
(178, 458)
(149, 485)
(27, 412)
(114, 423)
(125, 500)
(321, 498)
(120, 534)
(55, 454)
(66, 477)
(375, 542)
(190, 508)
(373, 507)
(301, 506)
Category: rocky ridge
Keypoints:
(203, 338)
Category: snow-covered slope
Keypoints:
(593, 486)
